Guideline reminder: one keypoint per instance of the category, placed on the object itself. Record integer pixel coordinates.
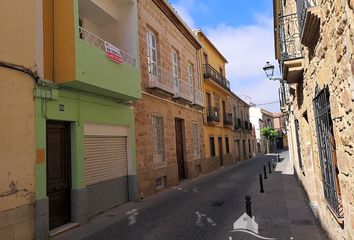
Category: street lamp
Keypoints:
(269, 71)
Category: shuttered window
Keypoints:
(152, 53)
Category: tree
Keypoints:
(269, 134)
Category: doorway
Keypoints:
(244, 149)
(58, 173)
(179, 128)
(221, 152)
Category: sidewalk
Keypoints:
(282, 212)
(283, 209)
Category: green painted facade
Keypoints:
(78, 109)
(100, 94)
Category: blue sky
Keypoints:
(243, 32)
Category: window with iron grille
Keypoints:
(196, 140)
(158, 140)
(297, 130)
(327, 151)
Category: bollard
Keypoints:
(265, 171)
(248, 205)
(278, 158)
(270, 169)
(261, 184)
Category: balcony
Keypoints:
(95, 54)
(183, 91)
(291, 56)
(284, 96)
(228, 119)
(210, 73)
(237, 124)
(160, 81)
(198, 99)
(213, 116)
(309, 21)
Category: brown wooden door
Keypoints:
(58, 173)
(180, 148)
(221, 152)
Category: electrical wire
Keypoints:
(20, 68)
(268, 103)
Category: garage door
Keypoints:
(105, 172)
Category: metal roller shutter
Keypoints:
(106, 172)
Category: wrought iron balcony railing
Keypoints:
(99, 43)
(302, 6)
(210, 72)
(228, 119)
(290, 42)
(213, 114)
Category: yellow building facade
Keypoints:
(221, 112)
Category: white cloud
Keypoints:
(183, 8)
(247, 48)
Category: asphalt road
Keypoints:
(207, 207)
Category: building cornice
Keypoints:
(166, 8)
(201, 33)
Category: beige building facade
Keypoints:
(314, 47)
(19, 47)
(169, 120)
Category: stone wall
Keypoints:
(329, 63)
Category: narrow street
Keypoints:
(207, 207)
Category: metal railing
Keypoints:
(290, 42)
(198, 97)
(210, 72)
(327, 151)
(228, 119)
(284, 95)
(302, 6)
(213, 114)
(160, 78)
(99, 43)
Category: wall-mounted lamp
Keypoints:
(269, 71)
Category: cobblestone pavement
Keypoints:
(207, 207)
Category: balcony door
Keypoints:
(175, 69)
(208, 98)
(152, 53)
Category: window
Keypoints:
(196, 140)
(191, 76)
(175, 68)
(205, 58)
(152, 53)
(327, 151)
(227, 145)
(158, 140)
(297, 129)
(161, 183)
(212, 146)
